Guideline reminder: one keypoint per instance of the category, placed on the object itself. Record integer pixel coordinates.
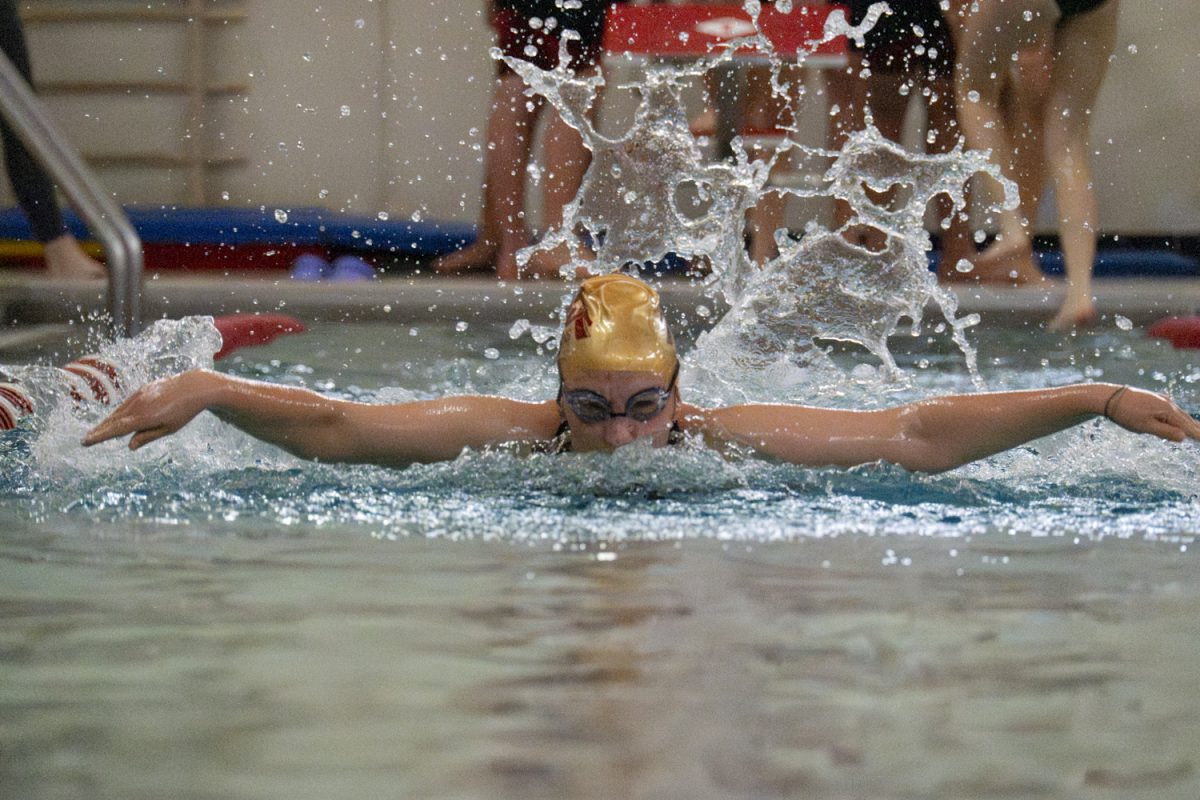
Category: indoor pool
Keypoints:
(212, 618)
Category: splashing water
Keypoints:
(168, 347)
(821, 286)
(772, 343)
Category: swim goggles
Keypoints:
(643, 406)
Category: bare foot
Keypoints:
(549, 263)
(480, 255)
(1075, 313)
(66, 260)
(507, 268)
(1008, 265)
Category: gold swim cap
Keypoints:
(616, 323)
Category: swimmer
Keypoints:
(619, 382)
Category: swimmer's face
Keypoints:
(618, 389)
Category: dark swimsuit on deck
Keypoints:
(893, 45)
(539, 46)
(1073, 8)
(561, 443)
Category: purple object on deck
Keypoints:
(309, 267)
(351, 268)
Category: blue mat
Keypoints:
(321, 227)
(1123, 263)
(297, 226)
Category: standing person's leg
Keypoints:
(941, 137)
(847, 91)
(1023, 103)
(502, 219)
(1082, 47)
(766, 112)
(30, 183)
(879, 100)
(567, 160)
(987, 37)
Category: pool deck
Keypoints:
(28, 301)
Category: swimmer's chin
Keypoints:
(641, 443)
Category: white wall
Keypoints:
(415, 78)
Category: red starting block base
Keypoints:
(695, 30)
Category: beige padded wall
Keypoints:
(381, 106)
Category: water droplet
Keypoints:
(224, 195)
(360, 23)
(1132, 49)
(973, 96)
(491, 353)
(1124, 323)
(382, 216)
(280, 216)
(345, 111)
(964, 266)
(307, 57)
(461, 326)
(518, 329)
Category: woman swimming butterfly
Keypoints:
(618, 383)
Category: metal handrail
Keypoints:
(25, 113)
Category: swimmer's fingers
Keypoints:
(145, 437)
(124, 420)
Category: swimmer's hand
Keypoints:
(1146, 412)
(155, 410)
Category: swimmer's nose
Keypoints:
(619, 431)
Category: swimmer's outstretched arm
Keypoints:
(938, 434)
(310, 425)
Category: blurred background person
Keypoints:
(1081, 36)
(906, 58)
(530, 30)
(32, 186)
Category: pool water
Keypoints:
(212, 618)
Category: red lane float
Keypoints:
(1181, 332)
(248, 330)
(92, 375)
(90, 378)
(14, 404)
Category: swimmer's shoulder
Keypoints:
(544, 417)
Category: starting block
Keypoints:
(696, 30)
